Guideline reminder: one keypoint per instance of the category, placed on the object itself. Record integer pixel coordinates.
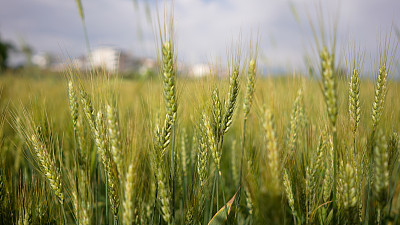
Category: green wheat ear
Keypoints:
(347, 193)
(381, 167)
(251, 76)
(232, 98)
(295, 117)
(40, 147)
(110, 168)
(165, 195)
(380, 95)
(202, 157)
(114, 136)
(289, 191)
(216, 112)
(272, 148)
(212, 144)
(49, 169)
(354, 99)
(73, 104)
(329, 84)
(183, 152)
(169, 75)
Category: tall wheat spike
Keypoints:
(108, 162)
(354, 100)
(232, 98)
(348, 191)
(212, 143)
(330, 93)
(288, 191)
(216, 113)
(88, 109)
(76, 121)
(380, 95)
(272, 148)
(169, 75)
(202, 159)
(251, 76)
(162, 139)
(163, 135)
(329, 84)
(294, 121)
(73, 104)
(328, 178)
(115, 136)
(184, 159)
(48, 165)
(381, 168)
(234, 166)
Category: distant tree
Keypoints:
(4, 54)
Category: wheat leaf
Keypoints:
(221, 216)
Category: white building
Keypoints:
(41, 60)
(106, 58)
(200, 70)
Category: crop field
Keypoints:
(104, 145)
(234, 147)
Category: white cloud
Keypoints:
(204, 28)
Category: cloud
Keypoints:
(205, 29)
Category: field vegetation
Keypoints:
(234, 147)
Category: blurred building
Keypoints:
(200, 70)
(113, 59)
(106, 58)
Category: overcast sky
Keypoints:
(204, 28)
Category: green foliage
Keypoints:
(4, 54)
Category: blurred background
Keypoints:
(48, 33)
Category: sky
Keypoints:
(204, 29)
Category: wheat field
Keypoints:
(235, 147)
